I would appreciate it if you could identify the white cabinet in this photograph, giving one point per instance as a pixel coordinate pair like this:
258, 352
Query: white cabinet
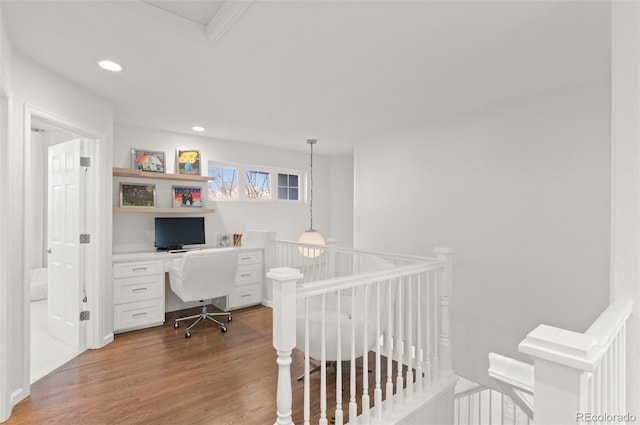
139, 286
248, 289
138, 294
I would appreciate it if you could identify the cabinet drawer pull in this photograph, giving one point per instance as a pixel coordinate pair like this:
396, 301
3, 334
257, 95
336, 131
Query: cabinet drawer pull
139, 269
246, 258
136, 290
136, 315
246, 275
245, 295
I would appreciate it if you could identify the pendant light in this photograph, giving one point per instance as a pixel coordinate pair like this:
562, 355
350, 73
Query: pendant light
311, 236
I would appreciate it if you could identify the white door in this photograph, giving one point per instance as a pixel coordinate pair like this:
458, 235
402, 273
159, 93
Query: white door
64, 216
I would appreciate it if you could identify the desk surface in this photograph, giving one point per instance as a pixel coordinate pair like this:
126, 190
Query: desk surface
166, 255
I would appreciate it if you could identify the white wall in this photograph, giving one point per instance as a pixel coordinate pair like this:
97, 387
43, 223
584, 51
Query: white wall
342, 200
135, 231
625, 210
10, 268
35, 88
522, 191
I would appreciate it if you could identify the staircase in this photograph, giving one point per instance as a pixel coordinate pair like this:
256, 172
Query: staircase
476, 404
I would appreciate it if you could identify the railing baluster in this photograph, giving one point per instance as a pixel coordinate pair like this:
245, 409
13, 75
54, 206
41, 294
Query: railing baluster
353, 405
409, 343
400, 344
428, 338
389, 342
323, 362
307, 368
365, 358
419, 353
339, 414
377, 394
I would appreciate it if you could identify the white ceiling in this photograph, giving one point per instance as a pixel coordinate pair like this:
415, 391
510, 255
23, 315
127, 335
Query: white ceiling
280, 72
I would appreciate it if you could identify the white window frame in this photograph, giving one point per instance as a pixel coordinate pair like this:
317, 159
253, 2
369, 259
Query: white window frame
273, 171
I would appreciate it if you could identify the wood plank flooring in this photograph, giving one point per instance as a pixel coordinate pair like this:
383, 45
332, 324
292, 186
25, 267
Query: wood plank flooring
157, 376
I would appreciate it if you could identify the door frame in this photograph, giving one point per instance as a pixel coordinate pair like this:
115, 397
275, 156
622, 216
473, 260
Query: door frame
94, 201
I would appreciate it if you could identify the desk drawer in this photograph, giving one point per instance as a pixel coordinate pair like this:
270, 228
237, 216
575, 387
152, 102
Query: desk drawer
138, 315
137, 268
250, 257
249, 274
138, 288
250, 296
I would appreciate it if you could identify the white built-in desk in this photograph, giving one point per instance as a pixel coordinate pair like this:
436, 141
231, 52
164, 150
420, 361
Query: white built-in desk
139, 293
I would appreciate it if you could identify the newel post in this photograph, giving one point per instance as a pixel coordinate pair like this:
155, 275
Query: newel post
562, 362
284, 335
445, 289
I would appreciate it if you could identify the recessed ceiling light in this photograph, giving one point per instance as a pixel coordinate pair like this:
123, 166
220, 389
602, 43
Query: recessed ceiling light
197, 128
110, 65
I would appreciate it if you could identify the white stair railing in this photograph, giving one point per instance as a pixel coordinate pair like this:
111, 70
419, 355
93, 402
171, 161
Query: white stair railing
581, 377
482, 405
405, 308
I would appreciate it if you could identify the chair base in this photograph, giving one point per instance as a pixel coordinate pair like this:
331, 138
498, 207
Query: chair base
202, 317
346, 364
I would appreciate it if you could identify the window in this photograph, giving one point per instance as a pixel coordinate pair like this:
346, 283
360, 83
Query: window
258, 184
288, 186
243, 182
224, 184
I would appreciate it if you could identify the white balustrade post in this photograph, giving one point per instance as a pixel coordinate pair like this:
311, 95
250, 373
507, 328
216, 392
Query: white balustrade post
563, 361
284, 335
445, 289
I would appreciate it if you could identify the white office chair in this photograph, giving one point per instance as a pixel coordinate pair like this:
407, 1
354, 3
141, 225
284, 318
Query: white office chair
348, 318
204, 274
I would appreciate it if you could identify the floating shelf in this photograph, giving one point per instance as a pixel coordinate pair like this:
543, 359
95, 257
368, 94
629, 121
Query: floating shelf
132, 172
144, 210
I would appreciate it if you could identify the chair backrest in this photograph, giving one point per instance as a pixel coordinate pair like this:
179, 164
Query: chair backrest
348, 317
205, 274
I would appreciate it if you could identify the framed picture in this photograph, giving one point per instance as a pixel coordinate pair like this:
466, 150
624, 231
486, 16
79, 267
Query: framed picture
146, 160
137, 195
187, 197
188, 161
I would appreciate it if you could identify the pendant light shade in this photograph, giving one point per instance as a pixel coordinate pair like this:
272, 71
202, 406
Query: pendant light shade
311, 236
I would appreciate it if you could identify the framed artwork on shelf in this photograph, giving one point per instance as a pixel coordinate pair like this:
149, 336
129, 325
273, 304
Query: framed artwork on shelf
138, 195
188, 161
147, 160
187, 197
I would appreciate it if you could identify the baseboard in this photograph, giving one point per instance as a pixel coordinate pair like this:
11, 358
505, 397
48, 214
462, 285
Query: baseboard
108, 339
17, 396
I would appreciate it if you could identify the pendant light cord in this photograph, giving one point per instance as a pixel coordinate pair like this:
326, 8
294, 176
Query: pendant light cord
311, 142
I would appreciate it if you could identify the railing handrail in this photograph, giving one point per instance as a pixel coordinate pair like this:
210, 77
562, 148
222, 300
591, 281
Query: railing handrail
470, 391
580, 372
347, 282
415, 321
408, 257
609, 324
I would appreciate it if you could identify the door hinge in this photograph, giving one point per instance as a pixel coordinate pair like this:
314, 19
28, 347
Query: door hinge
85, 161
84, 315
85, 238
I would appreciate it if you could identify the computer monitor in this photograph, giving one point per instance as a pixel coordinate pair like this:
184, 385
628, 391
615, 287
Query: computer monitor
177, 232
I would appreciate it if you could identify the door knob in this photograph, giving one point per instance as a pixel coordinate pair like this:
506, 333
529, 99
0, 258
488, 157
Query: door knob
49, 251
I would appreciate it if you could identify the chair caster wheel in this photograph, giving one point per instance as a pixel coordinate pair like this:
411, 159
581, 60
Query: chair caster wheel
223, 330
187, 335
176, 325
229, 319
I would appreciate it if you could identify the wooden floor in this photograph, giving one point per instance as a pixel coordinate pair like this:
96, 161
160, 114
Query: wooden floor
157, 376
